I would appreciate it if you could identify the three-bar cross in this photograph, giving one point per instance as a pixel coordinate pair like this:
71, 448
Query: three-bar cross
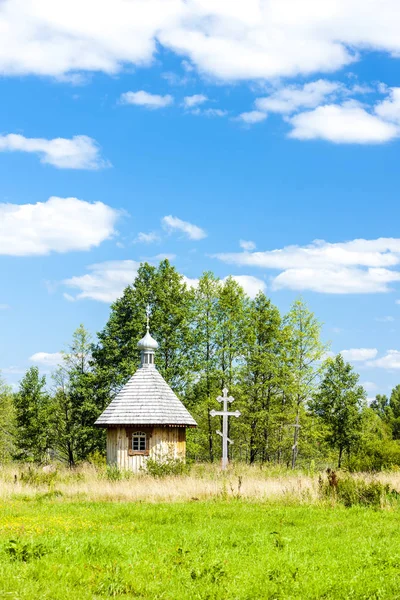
225, 414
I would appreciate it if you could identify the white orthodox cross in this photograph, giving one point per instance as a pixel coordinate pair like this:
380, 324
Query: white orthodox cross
225, 414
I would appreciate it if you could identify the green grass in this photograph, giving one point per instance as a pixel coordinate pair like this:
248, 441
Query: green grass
55, 549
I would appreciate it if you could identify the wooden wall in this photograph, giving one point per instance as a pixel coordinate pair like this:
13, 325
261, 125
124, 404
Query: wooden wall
162, 443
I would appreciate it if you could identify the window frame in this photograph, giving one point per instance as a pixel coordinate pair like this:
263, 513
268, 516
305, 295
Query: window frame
139, 436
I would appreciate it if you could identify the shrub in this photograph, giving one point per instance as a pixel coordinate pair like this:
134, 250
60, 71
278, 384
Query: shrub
97, 459
167, 467
350, 491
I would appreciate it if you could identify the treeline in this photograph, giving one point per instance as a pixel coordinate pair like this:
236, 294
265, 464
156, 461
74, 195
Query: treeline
298, 407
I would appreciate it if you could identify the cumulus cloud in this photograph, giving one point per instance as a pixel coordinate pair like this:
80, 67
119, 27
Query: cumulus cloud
57, 225
80, 152
12, 370
348, 123
290, 98
357, 266
391, 360
193, 232
209, 112
359, 354
146, 99
251, 117
369, 386
195, 100
258, 39
147, 238
251, 285
105, 281
337, 281
47, 359
389, 109
247, 245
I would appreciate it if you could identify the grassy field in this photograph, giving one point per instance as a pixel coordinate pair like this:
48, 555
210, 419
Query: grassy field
63, 538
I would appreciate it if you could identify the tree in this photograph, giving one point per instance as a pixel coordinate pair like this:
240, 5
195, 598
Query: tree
264, 377
7, 423
338, 403
116, 356
304, 356
381, 406
203, 359
77, 403
32, 409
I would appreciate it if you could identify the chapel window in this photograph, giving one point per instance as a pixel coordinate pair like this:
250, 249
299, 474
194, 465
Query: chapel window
139, 441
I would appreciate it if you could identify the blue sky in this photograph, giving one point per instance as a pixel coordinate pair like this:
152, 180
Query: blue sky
257, 139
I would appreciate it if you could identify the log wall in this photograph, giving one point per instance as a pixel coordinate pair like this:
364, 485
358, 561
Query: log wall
162, 443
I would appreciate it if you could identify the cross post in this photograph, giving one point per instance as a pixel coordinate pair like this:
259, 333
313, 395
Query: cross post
225, 414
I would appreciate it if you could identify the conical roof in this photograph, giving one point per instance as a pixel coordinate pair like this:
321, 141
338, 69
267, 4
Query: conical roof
146, 399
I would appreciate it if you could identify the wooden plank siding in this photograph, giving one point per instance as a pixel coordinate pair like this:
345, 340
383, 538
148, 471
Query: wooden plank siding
162, 443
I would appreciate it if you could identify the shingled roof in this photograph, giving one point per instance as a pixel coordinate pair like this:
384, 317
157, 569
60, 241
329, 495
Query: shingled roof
146, 399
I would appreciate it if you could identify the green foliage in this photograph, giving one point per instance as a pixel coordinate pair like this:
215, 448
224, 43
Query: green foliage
33, 418
338, 402
7, 423
19, 550
351, 491
304, 354
295, 409
116, 356
166, 468
76, 404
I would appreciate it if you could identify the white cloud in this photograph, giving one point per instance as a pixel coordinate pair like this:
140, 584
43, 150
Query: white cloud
209, 112
387, 319
337, 281
369, 386
391, 360
147, 238
389, 109
195, 100
105, 282
357, 266
12, 370
251, 285
292, 97
4, 306
143, 98
193, 232
247, 245
234, 40
47, 359
80, 152
164, 256
254, 116
359, 354
57, 225
348, 123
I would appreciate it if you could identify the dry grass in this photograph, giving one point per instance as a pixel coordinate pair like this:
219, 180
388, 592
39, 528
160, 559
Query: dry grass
205, 482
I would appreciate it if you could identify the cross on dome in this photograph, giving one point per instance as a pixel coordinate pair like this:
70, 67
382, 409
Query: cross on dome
147, 344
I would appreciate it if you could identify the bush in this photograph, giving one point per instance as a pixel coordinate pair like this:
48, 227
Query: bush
167, 467
351, 492
97, 459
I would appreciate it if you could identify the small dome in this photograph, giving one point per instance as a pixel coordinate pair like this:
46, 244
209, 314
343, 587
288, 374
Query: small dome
147, 343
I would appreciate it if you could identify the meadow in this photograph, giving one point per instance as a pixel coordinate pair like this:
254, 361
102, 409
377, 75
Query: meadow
246, 534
